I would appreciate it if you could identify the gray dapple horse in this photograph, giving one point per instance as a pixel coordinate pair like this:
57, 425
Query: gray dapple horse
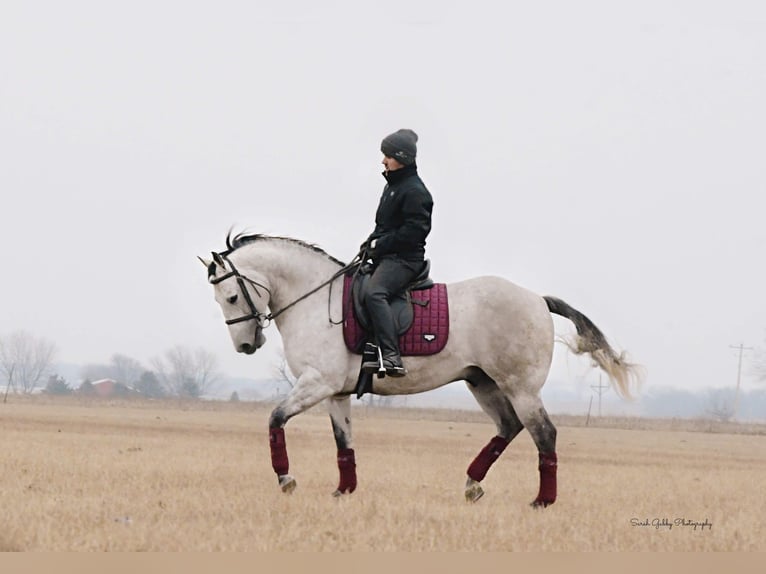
500, 343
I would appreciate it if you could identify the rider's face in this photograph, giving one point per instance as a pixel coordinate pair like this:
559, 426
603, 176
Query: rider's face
391, 164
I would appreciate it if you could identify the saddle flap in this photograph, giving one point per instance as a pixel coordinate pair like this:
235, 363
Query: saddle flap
425, 332
401, 306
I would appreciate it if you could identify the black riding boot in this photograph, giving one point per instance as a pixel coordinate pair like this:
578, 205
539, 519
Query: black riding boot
388, 343
391, 364
390, 277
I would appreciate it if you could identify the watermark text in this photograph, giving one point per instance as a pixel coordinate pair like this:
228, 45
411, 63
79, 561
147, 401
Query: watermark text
671, 523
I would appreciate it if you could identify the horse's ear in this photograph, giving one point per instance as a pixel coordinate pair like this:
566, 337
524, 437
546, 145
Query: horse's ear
217, 258
210, 266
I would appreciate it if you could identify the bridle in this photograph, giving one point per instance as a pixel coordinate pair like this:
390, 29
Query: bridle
254, 312
263, 320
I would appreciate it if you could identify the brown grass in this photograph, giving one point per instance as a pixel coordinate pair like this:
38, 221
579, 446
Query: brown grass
135, 476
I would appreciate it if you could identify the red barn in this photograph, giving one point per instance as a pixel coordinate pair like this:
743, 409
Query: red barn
108, 388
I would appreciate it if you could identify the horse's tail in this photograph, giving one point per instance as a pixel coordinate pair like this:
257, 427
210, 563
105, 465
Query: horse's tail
623, 374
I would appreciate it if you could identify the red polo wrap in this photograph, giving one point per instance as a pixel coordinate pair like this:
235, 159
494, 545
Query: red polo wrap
488, 455
279, 461
347, 468
547, 467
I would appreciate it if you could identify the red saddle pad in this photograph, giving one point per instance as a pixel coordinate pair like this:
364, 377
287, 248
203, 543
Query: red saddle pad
430, 324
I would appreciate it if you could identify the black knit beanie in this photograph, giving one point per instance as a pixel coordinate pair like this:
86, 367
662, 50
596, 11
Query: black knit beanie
401, 145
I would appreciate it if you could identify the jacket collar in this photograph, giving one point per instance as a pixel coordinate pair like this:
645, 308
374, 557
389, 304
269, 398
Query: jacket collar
402, 173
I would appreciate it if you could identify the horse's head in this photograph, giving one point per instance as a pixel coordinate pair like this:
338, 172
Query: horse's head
243, 300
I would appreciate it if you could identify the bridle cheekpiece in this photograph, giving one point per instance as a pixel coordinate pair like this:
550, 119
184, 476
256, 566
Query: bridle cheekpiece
262, 319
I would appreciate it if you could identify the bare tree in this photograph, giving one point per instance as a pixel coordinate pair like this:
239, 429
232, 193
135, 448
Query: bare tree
721, 405
149, 385
184, 372
8, 386
25, 360
121, 368
380, 400
126, 370
96, 371
284, 378
283, 372
206, 366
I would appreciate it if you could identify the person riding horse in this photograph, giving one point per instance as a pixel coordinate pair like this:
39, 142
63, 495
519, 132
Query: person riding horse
397, 245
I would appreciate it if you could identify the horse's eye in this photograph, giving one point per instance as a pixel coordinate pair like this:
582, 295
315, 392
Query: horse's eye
232, 299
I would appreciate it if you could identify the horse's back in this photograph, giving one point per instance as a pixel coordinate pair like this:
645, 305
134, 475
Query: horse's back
492, 291
491, 315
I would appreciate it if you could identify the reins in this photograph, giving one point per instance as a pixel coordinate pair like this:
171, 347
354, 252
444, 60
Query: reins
329, 282
264, 319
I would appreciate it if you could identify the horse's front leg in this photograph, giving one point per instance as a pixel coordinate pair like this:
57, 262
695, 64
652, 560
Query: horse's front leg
308, 390
340, 416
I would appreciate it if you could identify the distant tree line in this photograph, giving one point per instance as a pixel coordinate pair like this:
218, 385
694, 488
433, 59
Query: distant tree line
26, 362
719, 404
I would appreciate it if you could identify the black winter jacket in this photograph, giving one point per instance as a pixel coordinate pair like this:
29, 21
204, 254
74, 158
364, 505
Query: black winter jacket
403, 219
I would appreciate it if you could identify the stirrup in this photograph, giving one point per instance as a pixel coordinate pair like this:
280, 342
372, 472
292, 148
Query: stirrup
370, 367
372, 360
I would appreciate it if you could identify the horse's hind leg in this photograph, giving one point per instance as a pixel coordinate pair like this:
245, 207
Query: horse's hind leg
496, 404
340, 416
530, 410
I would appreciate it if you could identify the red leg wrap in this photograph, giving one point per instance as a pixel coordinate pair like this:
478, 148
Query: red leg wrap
488, 455
347, 467
547, 467
279, 461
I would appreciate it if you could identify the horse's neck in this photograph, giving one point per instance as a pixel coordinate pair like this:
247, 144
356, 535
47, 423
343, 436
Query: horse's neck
291, 270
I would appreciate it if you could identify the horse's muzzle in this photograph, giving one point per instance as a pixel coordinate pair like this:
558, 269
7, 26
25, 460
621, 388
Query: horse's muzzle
249, 348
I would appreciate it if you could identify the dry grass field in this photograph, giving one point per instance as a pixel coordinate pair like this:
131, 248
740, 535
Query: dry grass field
142, 476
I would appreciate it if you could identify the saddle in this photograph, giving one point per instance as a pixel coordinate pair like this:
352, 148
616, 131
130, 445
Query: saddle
401, 305
421, 314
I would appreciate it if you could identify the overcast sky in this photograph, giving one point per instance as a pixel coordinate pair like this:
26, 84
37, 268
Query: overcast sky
608, 153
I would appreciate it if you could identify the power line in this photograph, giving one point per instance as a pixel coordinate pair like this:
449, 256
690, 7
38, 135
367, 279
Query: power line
600, 389
742, 349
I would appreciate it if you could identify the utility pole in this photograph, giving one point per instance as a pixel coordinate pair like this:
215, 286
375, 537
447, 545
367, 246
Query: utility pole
600, 389
10, 382
741, 348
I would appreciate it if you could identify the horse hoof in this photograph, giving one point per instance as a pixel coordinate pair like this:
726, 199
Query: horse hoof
540, 503
473, 490
287, 483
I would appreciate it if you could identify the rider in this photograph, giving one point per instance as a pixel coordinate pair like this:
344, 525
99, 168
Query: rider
397, 245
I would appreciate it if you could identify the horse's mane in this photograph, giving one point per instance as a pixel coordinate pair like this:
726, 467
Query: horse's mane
241, 239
